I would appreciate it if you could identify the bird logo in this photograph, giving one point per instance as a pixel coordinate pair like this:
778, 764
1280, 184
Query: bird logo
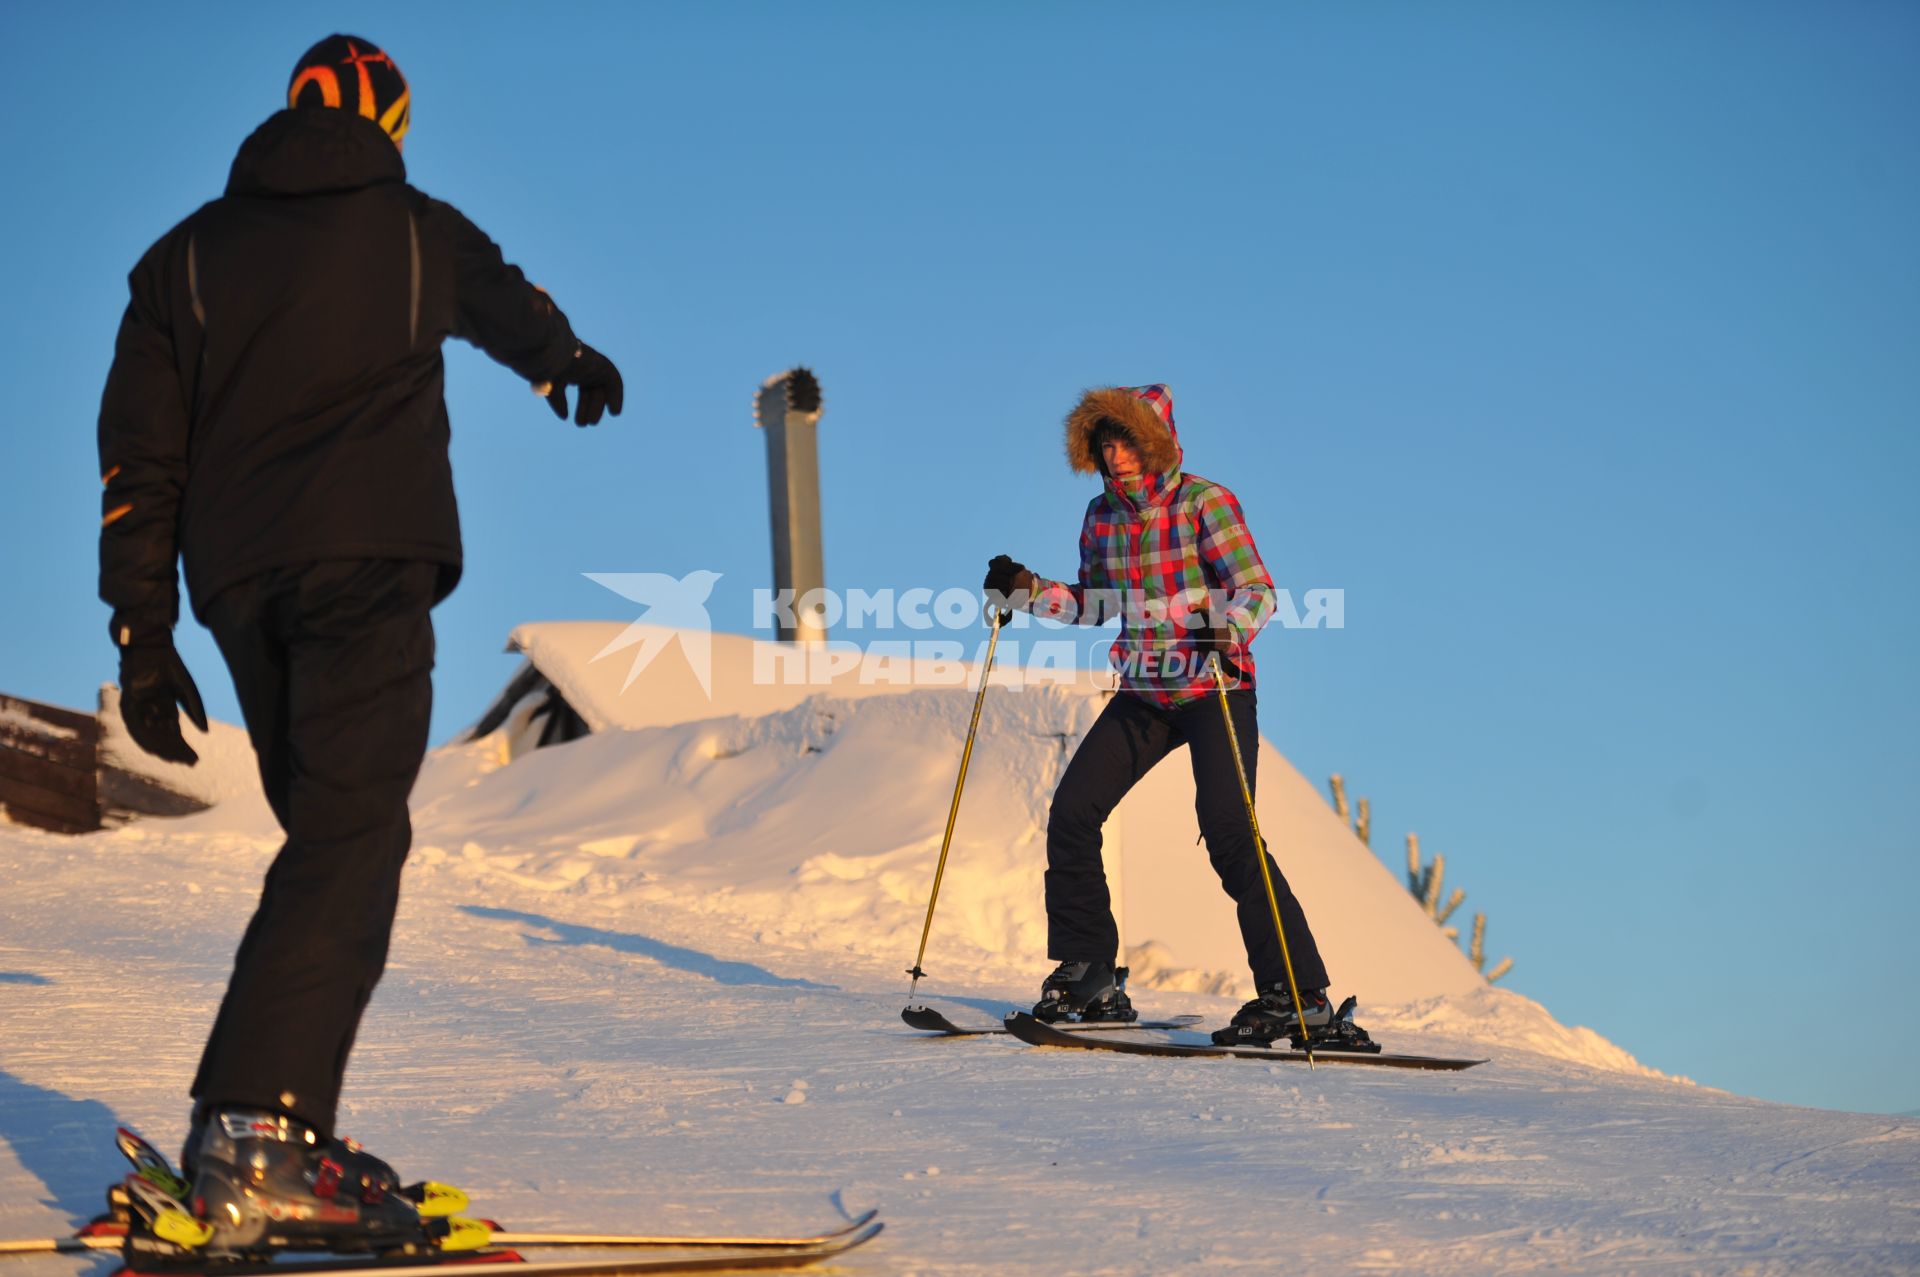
675, 611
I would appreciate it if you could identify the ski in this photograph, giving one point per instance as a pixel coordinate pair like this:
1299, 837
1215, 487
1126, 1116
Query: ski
932, 1021
1038, 1033
92, 1237
508, 1263
111, 1235
515, 1240
109, 1232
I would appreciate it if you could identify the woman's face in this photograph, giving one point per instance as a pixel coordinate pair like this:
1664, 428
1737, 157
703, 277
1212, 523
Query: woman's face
1122, 460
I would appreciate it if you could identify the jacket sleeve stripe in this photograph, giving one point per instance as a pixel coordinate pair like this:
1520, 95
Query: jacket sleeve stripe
193, 284
413, 296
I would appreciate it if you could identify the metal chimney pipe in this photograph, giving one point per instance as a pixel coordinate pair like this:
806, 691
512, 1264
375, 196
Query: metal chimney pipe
788, 409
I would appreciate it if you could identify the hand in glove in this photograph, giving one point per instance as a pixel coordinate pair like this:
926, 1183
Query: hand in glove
1211, 640
599, 383
1005, 578
153, 681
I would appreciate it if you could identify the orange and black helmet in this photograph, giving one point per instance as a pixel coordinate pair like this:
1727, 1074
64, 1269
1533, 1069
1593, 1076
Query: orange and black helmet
355, 75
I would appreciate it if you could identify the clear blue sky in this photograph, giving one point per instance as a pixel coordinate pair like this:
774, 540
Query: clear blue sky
1576, 342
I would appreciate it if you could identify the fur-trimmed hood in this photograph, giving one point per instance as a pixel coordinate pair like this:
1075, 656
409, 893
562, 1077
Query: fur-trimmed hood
1145, 412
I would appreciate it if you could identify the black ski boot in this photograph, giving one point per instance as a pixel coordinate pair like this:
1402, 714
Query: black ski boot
1085, 991
1343, 1034
264, 1182
1272, 1015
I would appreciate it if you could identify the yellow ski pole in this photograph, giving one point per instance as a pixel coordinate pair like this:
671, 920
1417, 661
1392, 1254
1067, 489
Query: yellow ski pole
1000, 617
1260, 854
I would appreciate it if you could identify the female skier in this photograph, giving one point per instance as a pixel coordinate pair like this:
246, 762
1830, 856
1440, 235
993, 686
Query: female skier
1168, 553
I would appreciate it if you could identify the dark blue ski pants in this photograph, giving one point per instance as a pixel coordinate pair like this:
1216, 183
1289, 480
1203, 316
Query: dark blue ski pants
1128, 738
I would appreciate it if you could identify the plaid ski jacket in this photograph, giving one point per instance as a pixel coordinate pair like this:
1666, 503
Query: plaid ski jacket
1157, 552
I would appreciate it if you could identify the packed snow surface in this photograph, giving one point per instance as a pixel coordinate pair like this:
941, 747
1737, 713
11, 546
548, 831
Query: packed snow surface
651, 980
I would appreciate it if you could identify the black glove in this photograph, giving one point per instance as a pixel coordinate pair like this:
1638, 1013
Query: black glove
1211, 640
153, 680
599, 382
1005, 578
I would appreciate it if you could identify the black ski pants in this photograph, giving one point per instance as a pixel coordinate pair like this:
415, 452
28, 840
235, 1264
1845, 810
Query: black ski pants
333, 664
1129, 737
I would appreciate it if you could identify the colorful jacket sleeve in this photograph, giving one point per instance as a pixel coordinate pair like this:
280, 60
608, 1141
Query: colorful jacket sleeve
1080, 602
143, 432
1233, 563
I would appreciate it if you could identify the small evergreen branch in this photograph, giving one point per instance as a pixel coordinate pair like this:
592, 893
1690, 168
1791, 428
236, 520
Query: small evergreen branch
1478, 951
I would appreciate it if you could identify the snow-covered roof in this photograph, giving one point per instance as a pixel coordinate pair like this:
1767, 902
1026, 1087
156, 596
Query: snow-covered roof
592, 663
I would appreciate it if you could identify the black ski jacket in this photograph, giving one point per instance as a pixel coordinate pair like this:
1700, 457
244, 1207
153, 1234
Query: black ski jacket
275, 395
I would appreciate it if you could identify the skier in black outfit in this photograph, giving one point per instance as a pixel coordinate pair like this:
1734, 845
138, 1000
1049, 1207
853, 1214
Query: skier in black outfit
274, 416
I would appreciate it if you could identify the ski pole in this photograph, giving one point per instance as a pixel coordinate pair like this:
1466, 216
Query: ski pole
1000, 617
1260, 854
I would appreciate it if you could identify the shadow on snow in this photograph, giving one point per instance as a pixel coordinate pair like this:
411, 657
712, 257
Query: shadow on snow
680, 959
996, 1008
67, 1144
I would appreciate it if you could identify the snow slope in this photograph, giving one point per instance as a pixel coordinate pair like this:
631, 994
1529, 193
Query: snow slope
652, 978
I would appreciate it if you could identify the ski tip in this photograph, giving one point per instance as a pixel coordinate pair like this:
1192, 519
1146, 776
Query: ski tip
858, 1238
928, 1020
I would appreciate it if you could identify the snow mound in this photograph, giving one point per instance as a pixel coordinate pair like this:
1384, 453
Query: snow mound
1153, 966
818, 824
227, 768
817, 828
1494, 1017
